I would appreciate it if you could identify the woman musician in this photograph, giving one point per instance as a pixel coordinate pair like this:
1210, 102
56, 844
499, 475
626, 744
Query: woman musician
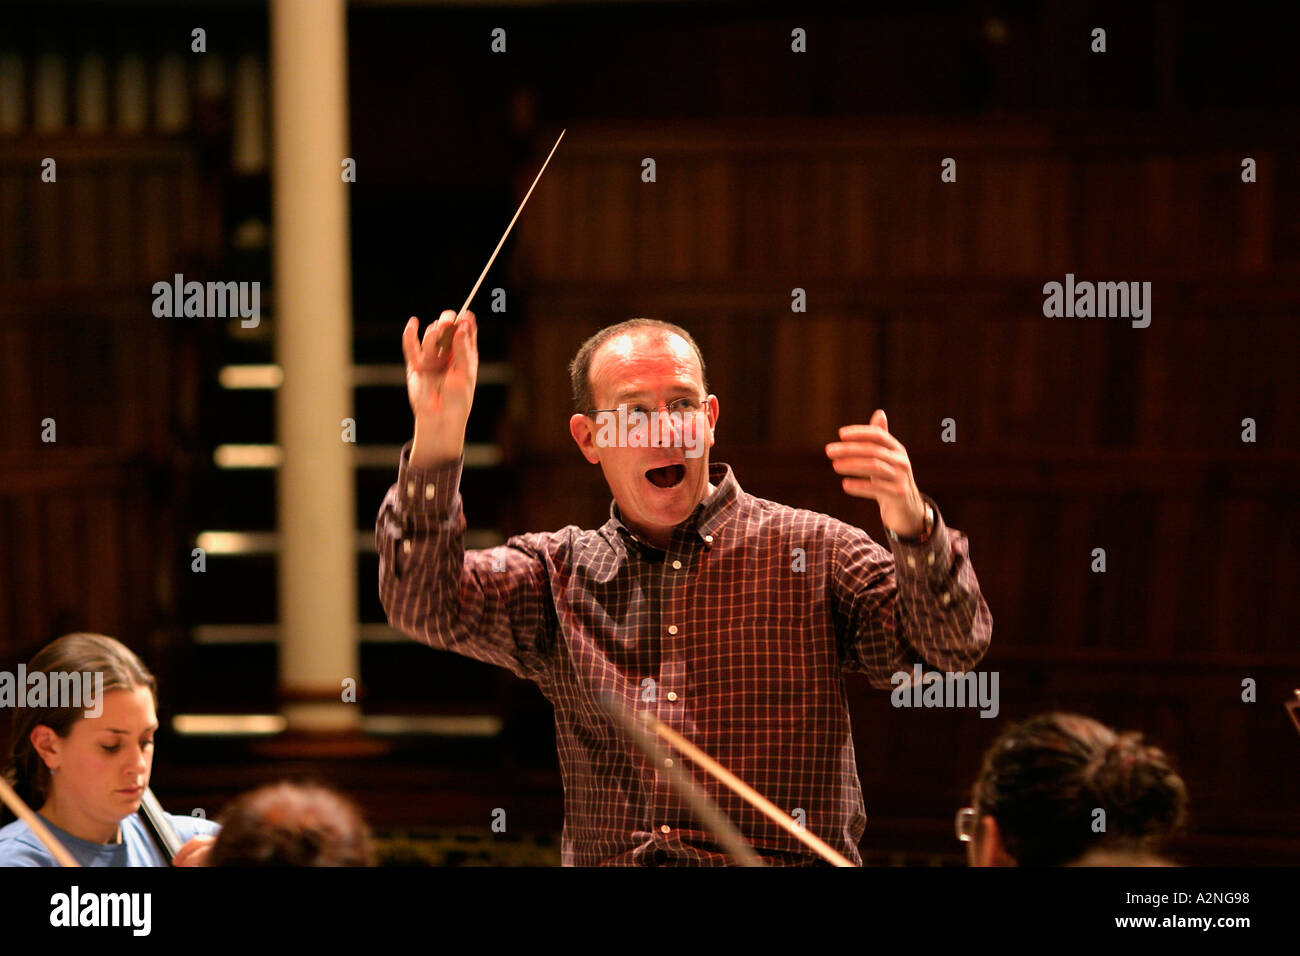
86, 774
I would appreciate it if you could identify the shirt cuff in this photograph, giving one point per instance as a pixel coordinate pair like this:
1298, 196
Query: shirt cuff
929, 558
428, 491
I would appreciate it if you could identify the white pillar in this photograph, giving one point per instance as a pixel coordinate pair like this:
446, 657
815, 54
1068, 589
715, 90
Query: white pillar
313, 342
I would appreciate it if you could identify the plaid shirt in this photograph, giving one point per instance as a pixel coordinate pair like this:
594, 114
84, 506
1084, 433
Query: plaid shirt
737, 637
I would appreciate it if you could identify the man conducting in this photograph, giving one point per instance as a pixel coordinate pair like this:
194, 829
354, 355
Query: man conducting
732, 619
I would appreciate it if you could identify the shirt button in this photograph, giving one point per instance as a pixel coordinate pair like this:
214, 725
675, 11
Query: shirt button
677, 565
911, 561
708, 538
429, 492
945, 598
672, 695
410, 489
932, 557
665, 829
672, 628
406, 546
668, 762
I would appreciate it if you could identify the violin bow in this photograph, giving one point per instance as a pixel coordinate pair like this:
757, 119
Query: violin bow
159, 826
29, 817
444, 340
746, 792
706, 809
641, 725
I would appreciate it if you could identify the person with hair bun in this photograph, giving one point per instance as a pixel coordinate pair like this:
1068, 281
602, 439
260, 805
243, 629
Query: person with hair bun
1065, 790
85, 774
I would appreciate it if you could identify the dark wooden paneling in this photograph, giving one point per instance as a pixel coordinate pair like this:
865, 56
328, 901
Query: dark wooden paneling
90, 520
120, 211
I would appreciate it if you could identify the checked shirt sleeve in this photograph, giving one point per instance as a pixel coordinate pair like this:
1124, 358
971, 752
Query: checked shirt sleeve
916, 603
491, 605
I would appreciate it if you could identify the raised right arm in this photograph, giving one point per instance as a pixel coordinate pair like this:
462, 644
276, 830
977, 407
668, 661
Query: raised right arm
490, 605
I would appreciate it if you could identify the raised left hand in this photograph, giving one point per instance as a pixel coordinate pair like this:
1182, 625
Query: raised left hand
877, 466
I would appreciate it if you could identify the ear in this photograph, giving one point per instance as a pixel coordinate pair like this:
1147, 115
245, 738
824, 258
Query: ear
711, 405
581, 430
989, 850
46, 743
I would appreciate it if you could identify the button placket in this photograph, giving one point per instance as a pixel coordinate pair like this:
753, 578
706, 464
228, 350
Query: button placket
673, 634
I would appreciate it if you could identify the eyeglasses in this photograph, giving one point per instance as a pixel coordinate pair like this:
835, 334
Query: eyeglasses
964, 823
683, 406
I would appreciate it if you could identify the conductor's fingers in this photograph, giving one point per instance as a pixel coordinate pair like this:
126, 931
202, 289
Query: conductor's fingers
865, 467
860, 487
411, 342
874, 433
429, 345
470, 323
463, 344
447, 327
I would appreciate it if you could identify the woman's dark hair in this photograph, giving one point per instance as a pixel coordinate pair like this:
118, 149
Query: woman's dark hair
1044, 779
72, 653
287, 824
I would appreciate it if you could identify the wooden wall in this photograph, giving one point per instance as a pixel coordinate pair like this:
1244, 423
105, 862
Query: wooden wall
89, 521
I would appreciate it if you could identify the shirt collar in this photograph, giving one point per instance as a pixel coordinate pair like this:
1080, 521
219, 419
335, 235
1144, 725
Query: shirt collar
709, 516
119, 839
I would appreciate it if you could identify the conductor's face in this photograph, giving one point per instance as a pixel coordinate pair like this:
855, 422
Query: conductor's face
657, 484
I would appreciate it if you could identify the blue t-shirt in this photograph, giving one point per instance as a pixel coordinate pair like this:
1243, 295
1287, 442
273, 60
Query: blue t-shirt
19, 846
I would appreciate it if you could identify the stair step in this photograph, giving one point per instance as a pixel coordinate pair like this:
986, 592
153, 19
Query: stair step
241, 543
251, 376
214, 634
232, 456
387, 725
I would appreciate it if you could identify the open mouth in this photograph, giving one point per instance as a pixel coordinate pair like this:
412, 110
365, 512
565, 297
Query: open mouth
669, 476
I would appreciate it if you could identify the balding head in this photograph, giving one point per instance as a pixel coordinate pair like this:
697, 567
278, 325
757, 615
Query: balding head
581, 366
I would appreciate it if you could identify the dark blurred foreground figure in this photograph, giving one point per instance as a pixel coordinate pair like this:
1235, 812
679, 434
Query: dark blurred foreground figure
1065, 790
286, 824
